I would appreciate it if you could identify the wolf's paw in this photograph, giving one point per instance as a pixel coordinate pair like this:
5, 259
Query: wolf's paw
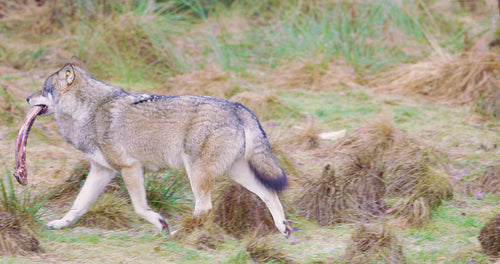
286, 229
57, 224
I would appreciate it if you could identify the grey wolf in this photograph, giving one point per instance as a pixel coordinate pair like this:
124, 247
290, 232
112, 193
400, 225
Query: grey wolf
136, 133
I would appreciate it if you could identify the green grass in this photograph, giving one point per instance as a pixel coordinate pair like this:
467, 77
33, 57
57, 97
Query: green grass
25, 205
169, 191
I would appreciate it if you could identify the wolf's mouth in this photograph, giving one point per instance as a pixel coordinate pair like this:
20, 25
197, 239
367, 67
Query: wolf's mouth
44, 110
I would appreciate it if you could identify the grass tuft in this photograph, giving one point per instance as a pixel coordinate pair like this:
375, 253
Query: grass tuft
371, 244
264, 105
488, 180
489, 237
23, 205
240, 212
110, 211
14, 240
465, 78
265, 250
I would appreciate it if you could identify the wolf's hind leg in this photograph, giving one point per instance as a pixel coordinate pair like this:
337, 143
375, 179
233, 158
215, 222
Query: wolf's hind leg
134, 181
200, 184
97, 179
241, 173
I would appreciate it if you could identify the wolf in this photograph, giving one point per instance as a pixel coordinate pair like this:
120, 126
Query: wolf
137, 133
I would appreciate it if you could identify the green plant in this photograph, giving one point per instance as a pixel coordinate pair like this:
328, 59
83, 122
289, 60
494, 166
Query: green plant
23, 205
167, 191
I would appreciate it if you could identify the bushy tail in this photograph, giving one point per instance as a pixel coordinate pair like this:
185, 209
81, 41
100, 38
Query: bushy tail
261, 160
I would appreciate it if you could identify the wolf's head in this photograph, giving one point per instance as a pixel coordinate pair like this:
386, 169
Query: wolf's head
57, 84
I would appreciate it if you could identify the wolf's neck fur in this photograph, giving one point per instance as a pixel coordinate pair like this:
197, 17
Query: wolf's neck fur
99, 90
81, 107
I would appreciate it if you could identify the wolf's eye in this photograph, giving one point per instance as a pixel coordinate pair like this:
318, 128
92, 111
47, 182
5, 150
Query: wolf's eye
67, 72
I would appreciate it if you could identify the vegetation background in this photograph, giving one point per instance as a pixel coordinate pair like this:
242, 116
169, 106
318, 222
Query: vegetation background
424, 69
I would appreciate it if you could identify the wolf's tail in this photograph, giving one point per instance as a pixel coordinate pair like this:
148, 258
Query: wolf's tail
260, 157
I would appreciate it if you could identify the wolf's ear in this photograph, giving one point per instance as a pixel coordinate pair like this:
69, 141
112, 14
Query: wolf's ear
69, 73
75, 61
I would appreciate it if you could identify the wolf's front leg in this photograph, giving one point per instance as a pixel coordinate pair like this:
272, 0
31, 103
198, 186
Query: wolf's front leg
134, 181
97, 179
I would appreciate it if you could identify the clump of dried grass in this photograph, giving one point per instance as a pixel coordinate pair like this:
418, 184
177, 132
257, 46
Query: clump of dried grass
110, 211
489, 237
264, 105
320, 200
265, 250
239, 212
488, 180
354, 188
376, 162
415, 176
313, 74
34, 18
204, 239
370, 244
487, 103
338, 197
306, 136
417, 212
464, 78
209, 81
13, 239
199, 232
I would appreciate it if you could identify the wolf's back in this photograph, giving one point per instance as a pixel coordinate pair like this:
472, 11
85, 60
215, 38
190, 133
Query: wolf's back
259, 155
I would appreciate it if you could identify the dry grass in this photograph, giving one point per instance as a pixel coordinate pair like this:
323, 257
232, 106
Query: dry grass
199, 231
313, 74
487, 103
265, 106
417, 212
370, 244
488, 180
33, 23
13, 238
265, 250
110, 211
352, 188
240, 212
210, 81
376, 162
305, 135
36, 18
333, 198
489, 237
465, 78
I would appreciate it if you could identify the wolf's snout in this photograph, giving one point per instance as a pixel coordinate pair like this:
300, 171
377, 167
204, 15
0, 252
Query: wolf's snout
29, 99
